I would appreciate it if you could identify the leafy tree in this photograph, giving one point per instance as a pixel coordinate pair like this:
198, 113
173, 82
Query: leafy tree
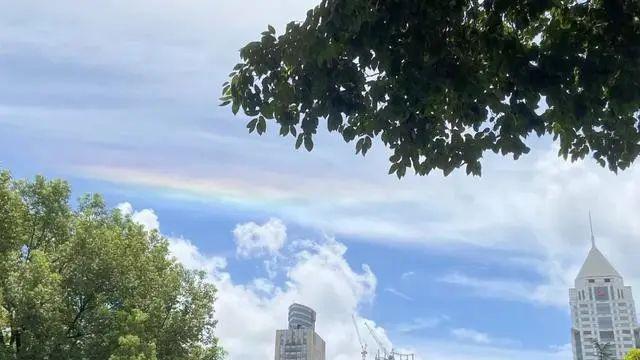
604, 351
89, 283
633, 354
442, 82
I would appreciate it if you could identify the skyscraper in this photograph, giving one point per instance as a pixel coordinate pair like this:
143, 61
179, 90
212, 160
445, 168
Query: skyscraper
300, 341
602, 310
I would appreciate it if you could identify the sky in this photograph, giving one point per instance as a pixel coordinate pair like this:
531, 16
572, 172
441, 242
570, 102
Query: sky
121, 98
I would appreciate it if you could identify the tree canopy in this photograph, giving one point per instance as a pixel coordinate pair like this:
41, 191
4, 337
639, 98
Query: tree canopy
442, 82
89, 283
633, 354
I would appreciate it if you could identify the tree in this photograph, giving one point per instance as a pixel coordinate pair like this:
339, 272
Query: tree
633, 354
90, 283
603, 351
442, 82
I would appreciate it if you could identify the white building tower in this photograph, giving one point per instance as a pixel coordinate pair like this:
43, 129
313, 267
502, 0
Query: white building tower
602, 310
300, 341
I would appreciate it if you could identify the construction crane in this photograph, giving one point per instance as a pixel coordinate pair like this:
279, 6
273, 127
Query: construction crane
363, 346
385, 353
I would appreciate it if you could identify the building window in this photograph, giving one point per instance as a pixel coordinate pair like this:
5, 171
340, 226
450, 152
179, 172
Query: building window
607, 280
603, 308
605, 322
606, 336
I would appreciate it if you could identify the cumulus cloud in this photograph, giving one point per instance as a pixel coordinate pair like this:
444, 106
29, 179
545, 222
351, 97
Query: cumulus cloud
318, 276
191, 257
144, 217
254, 240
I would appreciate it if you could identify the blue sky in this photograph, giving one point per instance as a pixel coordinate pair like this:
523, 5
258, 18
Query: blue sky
121, 98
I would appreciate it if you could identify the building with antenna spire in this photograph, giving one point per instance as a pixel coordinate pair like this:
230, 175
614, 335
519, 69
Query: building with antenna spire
603, 313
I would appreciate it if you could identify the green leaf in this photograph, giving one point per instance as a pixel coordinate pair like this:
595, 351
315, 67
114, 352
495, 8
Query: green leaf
272, 30
359, 145
334, 121
252, 125
261, 125
299, 141
308, 143
235, 107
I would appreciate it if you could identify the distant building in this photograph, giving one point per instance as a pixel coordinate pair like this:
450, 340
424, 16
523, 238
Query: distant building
602, 310
300, 341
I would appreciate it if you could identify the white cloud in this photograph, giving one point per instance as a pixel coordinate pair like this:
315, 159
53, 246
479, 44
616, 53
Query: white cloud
173, 46
407, 274
318, 276
546, 217
418, 324
144, 217
546, 220
254, 240
399, 294
191, 257
551, 291
468, 350
471, 335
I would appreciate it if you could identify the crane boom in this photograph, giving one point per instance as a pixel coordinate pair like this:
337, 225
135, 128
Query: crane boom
355, 324
363, 346
377, 340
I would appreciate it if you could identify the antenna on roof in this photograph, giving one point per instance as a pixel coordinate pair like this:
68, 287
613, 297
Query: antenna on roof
593, 239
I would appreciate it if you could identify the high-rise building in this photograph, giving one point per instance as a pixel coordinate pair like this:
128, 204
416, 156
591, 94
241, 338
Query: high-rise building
300, 341
602, 310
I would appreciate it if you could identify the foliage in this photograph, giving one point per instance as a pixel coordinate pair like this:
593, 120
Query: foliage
89, 283
604, 351
442, 82
633, 354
